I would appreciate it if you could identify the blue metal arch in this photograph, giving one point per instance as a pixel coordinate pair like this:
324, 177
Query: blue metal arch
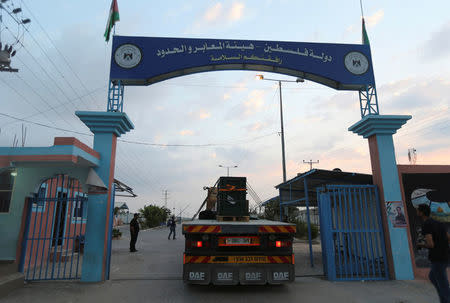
148, 60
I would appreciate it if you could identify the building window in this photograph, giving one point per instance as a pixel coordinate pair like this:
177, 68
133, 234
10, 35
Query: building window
7, 178
80, 206
39, 201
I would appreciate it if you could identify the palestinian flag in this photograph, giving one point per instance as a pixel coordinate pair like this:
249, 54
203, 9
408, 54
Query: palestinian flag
365, 38
112, 19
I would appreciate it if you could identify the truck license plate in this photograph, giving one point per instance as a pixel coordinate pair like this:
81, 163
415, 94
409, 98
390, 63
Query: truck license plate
238, 241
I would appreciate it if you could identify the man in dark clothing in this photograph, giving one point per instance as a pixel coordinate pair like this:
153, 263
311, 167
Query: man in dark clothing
436, 240
134, 230
172, 224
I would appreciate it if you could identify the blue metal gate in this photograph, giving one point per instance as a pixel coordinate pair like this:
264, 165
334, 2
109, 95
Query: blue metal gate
351, 233
53, 243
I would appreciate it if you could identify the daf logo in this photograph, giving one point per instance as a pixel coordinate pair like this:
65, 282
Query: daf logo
280, 276
196, 276
128, 56
253, 276
356, 63
225, 276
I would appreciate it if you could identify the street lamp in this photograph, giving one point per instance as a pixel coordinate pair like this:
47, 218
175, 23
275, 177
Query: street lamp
298, 80
228, 168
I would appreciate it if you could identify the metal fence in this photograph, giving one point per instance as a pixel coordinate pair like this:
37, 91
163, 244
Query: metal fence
351, 231
53, 242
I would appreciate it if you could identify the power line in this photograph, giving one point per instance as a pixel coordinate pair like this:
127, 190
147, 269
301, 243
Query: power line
44, 111
42, 98
50, 60
45, 125
57, 49
135, 142
46, 73
23, 97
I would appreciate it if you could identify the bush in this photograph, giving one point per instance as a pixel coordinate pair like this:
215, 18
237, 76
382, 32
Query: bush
154, 215
302, 230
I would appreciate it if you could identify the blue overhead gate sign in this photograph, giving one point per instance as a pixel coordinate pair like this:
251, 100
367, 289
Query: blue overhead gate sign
147, 60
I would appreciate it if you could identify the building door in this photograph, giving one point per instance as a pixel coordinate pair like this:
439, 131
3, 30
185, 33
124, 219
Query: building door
60, 219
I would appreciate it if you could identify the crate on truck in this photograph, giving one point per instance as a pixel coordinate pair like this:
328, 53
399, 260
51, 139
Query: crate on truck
230, 252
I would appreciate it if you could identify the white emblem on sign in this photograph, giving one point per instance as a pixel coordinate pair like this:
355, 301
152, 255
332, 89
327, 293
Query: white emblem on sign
128, 56
356, 63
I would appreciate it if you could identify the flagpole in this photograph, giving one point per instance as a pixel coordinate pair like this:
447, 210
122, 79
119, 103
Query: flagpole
362, 13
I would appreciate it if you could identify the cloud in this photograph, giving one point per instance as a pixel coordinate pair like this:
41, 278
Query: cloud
186, 132
373, 20
237, 11
219, 14
255, 102
201, 114
370, 21
213, 13
438, 45
260, 125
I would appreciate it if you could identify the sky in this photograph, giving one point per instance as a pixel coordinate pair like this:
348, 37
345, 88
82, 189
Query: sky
64, 66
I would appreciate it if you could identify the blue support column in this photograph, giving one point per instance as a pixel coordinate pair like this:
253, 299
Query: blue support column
379, 130
281, 207
311, 258
106, 126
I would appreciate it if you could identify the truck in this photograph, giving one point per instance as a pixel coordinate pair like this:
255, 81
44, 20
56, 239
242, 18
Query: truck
225, 246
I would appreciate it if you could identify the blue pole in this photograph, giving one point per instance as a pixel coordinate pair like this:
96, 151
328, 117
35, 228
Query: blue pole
29, 205
108, 260
305, 182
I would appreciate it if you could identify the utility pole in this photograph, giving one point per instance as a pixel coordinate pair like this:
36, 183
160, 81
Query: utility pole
283, 155
165, 197
310, 162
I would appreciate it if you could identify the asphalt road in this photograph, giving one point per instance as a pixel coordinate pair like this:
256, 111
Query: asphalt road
157, 257
153, 274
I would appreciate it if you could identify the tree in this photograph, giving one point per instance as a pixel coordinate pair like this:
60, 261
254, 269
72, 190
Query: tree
272, 211
154, 215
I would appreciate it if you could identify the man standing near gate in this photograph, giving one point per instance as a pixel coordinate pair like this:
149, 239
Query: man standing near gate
134, 230
436, 240
172, 224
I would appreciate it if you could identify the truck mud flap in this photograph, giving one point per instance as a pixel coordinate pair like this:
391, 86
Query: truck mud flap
279, 274
253, 275
197, 274
205, 274
225, 275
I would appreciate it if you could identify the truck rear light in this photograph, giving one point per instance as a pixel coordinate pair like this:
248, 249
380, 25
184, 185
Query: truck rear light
280, 243
196, 244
